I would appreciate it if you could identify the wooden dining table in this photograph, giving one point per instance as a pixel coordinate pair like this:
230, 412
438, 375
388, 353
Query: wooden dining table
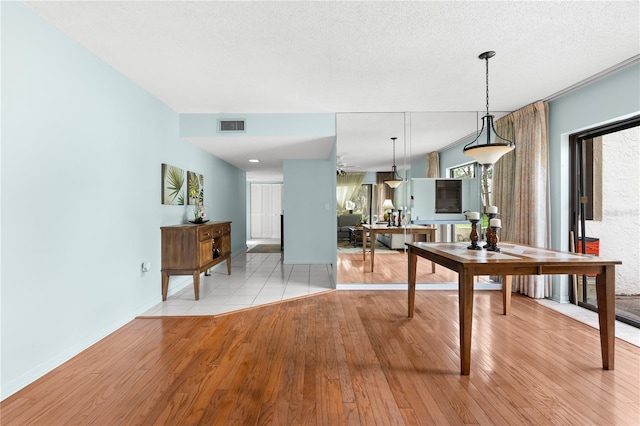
515, 259
373, 230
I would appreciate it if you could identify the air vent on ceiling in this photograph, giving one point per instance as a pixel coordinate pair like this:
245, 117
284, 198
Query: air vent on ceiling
231, 125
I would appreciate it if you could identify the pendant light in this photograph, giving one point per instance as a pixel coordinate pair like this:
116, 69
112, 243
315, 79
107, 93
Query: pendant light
395, 180
488, 153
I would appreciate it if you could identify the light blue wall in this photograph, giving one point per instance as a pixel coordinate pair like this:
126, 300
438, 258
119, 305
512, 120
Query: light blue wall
82, 149
304, 126
454, 156
310, 221
418, 168
609, 99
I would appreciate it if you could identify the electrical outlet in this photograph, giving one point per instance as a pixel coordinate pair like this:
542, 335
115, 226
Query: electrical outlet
145, 267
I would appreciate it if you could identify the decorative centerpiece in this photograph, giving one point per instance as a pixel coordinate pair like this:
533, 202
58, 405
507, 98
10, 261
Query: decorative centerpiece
492, 213
199, 213
474, 218
494, 224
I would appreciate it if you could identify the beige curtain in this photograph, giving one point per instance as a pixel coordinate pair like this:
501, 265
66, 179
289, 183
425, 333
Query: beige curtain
504, 180
347, 185
521, 188
433, 171
433, 165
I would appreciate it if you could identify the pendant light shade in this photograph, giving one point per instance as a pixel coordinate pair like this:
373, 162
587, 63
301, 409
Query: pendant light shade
489, 152
393, 183
395, 180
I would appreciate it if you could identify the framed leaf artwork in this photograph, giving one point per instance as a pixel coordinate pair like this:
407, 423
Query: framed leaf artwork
195, 188
172, 185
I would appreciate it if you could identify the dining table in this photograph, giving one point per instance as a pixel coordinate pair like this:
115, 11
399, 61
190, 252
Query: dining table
372, 230
515, 259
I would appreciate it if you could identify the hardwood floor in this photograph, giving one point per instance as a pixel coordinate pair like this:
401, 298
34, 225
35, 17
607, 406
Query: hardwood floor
342, 357
389, 268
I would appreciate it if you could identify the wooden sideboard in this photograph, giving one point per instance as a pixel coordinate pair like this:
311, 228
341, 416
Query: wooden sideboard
193, 249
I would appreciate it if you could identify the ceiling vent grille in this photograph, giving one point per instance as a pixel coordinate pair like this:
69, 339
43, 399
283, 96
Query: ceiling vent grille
231, 125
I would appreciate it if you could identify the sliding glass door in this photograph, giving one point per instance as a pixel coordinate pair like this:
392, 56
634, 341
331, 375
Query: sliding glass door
605, 210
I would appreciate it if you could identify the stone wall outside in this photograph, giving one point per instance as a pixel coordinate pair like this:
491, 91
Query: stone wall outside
619, 231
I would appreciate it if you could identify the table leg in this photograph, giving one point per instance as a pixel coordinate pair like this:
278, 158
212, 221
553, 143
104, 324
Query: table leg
196, 284
605, 292
165, 285
506, 294
373, 249
412, 262
430, 240
465, 306
229, 265
364, 247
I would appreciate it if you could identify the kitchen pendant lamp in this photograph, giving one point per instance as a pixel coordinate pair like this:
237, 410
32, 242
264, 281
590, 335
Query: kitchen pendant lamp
488, 153
395, 180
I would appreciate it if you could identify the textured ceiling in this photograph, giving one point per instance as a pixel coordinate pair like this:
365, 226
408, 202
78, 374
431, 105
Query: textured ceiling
354, 57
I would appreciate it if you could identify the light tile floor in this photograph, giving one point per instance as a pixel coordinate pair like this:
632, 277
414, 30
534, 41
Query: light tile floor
256, 279
624, 331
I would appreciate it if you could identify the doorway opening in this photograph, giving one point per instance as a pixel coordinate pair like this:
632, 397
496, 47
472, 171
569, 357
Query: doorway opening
266, 211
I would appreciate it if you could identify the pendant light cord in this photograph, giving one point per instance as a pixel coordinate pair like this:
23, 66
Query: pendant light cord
486, 60
394, 155
487, 121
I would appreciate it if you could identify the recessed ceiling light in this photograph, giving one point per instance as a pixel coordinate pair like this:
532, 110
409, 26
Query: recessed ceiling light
254, 160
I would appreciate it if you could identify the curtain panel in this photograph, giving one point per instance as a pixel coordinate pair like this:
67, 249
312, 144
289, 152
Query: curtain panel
433, 171
433, 165
383, 191
346, 185
521, 188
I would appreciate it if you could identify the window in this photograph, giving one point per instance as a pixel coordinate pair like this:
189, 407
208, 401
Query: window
464, 171
461, 232
469, 171
361, 200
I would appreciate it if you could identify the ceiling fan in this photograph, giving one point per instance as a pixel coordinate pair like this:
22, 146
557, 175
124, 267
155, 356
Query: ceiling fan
342, 167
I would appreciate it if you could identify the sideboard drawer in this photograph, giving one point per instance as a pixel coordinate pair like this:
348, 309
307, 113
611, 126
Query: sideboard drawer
206, 232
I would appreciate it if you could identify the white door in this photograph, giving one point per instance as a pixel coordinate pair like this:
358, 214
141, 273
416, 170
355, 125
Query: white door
266, 207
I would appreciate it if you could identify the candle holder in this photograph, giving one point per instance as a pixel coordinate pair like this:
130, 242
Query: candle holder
494, 239
489, 234
474, 235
